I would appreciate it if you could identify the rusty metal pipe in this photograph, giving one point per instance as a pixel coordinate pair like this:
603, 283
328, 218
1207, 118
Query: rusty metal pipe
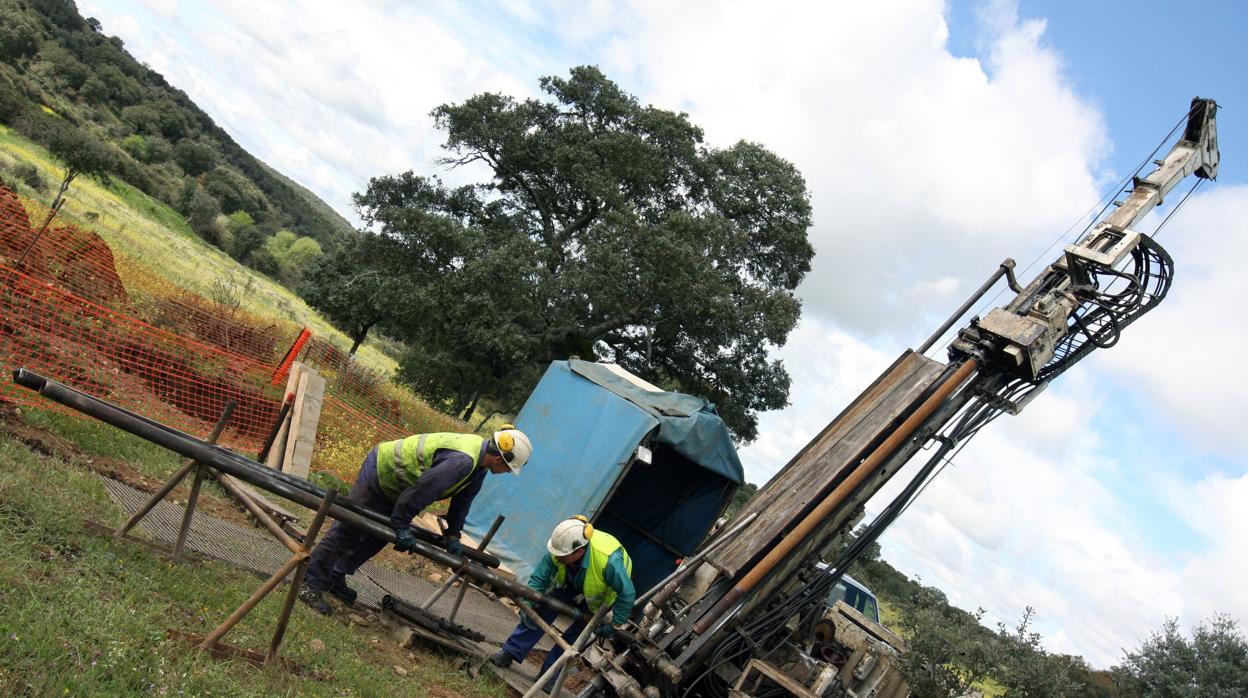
837, 496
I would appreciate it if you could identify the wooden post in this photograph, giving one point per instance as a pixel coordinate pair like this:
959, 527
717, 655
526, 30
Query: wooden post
299, 558
304, 418
173, 481
297, 582
277, 450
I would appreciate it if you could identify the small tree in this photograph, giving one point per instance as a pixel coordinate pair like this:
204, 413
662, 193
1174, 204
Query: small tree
201, 210
81, 154
1027, 669
194, 158
354, 288
293, 255
948, 648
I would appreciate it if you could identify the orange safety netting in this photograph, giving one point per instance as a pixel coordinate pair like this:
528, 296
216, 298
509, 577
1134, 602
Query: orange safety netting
139, 341
142, 368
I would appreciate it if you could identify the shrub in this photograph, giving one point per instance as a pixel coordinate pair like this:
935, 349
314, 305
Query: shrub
31, 176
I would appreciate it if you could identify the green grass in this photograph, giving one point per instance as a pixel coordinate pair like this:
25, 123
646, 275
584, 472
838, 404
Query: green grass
84, 615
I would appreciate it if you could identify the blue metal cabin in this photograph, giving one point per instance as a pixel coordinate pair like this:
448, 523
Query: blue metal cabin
586, 421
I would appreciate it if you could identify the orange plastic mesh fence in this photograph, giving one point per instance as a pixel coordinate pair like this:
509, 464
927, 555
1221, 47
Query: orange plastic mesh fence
167, 353
144, 369
82, 263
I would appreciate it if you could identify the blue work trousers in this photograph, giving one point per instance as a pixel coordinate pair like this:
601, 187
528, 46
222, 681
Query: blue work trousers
344, 549
524, 638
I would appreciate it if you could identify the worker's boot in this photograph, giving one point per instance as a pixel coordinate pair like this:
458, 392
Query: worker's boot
338, 587
501, 659
314, 599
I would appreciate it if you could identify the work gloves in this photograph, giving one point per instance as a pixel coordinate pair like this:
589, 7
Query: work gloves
404, 541
454, 547
605, 631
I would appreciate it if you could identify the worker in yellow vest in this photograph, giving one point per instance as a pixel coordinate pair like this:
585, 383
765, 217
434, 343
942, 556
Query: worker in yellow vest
585, 567
403, 477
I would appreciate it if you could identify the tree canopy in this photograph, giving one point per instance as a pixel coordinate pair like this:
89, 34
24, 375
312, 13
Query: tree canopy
607, 230
1212, 664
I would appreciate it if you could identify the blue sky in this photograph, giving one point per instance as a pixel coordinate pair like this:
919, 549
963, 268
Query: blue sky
936, 139
1143, 58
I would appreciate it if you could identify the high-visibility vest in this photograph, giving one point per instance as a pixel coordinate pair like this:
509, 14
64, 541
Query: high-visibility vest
595, 588
400, 463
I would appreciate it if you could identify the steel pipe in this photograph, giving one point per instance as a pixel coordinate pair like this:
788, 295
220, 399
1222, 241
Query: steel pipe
270, 481
1006, 269
183, 443
686, 568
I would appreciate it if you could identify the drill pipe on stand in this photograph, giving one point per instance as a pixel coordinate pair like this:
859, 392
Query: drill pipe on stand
280, 484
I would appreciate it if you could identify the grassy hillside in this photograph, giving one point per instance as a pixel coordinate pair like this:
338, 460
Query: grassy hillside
147, 237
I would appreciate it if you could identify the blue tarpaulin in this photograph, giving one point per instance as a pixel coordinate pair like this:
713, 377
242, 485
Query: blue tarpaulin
586, 422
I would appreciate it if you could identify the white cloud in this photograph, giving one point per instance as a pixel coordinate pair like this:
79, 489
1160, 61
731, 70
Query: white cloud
1187, 355
923, 166
1213, 578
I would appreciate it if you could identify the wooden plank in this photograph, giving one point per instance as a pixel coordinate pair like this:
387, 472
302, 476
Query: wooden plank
305, 416
277, 452
771, 672
261, 501
812, 472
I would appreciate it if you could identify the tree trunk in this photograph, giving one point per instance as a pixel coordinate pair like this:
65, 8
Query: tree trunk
472, 406
358, 337
485, 419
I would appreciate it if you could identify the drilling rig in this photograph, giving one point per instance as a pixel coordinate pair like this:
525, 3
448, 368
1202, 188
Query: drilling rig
750, 604
745, 614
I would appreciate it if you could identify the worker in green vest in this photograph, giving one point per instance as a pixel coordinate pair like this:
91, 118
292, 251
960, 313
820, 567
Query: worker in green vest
402, 478
585, 567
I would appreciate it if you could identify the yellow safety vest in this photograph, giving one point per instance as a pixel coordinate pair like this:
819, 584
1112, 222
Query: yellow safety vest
400, 463
595, 588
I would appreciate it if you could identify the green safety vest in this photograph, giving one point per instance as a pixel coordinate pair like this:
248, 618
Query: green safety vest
400, 463
596, 591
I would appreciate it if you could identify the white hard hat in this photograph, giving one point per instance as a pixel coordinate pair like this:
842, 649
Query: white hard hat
569, 536
513, 446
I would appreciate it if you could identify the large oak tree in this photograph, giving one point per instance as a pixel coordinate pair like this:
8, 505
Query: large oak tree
608, 230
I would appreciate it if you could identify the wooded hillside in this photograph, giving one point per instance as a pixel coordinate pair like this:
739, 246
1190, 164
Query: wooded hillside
60, 72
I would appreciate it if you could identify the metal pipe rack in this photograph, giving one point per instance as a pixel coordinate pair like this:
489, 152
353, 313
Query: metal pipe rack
283, 485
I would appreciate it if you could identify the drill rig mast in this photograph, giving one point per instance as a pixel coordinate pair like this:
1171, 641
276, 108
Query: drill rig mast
740, 598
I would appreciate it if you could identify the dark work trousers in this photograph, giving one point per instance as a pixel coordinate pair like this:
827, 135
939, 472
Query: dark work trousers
344, 549
524, 638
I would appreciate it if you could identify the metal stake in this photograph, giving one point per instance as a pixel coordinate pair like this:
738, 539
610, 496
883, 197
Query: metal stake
463, 585
458, 577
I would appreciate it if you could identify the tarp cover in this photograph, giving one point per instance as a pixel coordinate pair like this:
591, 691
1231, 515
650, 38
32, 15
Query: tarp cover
585, 423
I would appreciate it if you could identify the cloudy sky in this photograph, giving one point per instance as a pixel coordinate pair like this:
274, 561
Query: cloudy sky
937, 139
